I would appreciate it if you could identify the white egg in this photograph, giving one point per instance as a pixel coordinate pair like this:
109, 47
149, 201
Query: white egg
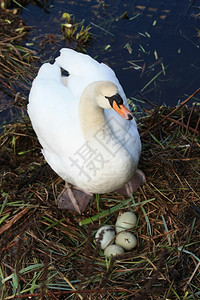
105, 236
126, 240
126, 221
113, 250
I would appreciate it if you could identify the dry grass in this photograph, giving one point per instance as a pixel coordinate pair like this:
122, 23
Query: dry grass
14, 59
46, 254
16, 74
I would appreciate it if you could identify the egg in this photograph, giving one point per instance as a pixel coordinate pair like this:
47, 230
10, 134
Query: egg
113, 250
105, 236
126, 221
126, 240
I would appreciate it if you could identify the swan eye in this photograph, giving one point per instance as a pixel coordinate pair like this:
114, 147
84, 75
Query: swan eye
117, 98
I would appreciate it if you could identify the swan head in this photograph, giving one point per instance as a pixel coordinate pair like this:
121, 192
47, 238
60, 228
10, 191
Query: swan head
109, 98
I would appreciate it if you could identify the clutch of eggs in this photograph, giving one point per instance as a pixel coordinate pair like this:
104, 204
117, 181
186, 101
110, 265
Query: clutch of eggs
124, 240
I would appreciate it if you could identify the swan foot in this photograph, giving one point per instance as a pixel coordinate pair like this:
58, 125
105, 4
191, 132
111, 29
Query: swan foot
137, 180
73, 198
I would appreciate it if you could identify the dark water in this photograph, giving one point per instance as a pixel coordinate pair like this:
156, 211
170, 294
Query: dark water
155, 50
164, 31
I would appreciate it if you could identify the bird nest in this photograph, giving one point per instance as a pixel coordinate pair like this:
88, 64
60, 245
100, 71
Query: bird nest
47, 253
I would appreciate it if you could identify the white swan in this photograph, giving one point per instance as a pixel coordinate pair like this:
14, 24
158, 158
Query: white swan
83, 139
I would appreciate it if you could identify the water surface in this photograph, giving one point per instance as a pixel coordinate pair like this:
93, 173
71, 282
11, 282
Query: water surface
154, 48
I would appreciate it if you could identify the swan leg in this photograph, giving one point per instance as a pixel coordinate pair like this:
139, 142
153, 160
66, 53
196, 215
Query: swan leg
73, 198
137, 180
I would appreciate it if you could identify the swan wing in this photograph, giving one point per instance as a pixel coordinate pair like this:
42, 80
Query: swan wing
84, 70
53, 108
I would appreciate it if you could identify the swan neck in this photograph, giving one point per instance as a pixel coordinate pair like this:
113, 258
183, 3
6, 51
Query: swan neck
92, 117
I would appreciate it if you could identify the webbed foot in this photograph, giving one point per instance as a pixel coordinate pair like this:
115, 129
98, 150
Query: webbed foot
137, 180
73, 198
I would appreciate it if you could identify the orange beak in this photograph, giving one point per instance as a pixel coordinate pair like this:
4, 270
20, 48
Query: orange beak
122, 111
